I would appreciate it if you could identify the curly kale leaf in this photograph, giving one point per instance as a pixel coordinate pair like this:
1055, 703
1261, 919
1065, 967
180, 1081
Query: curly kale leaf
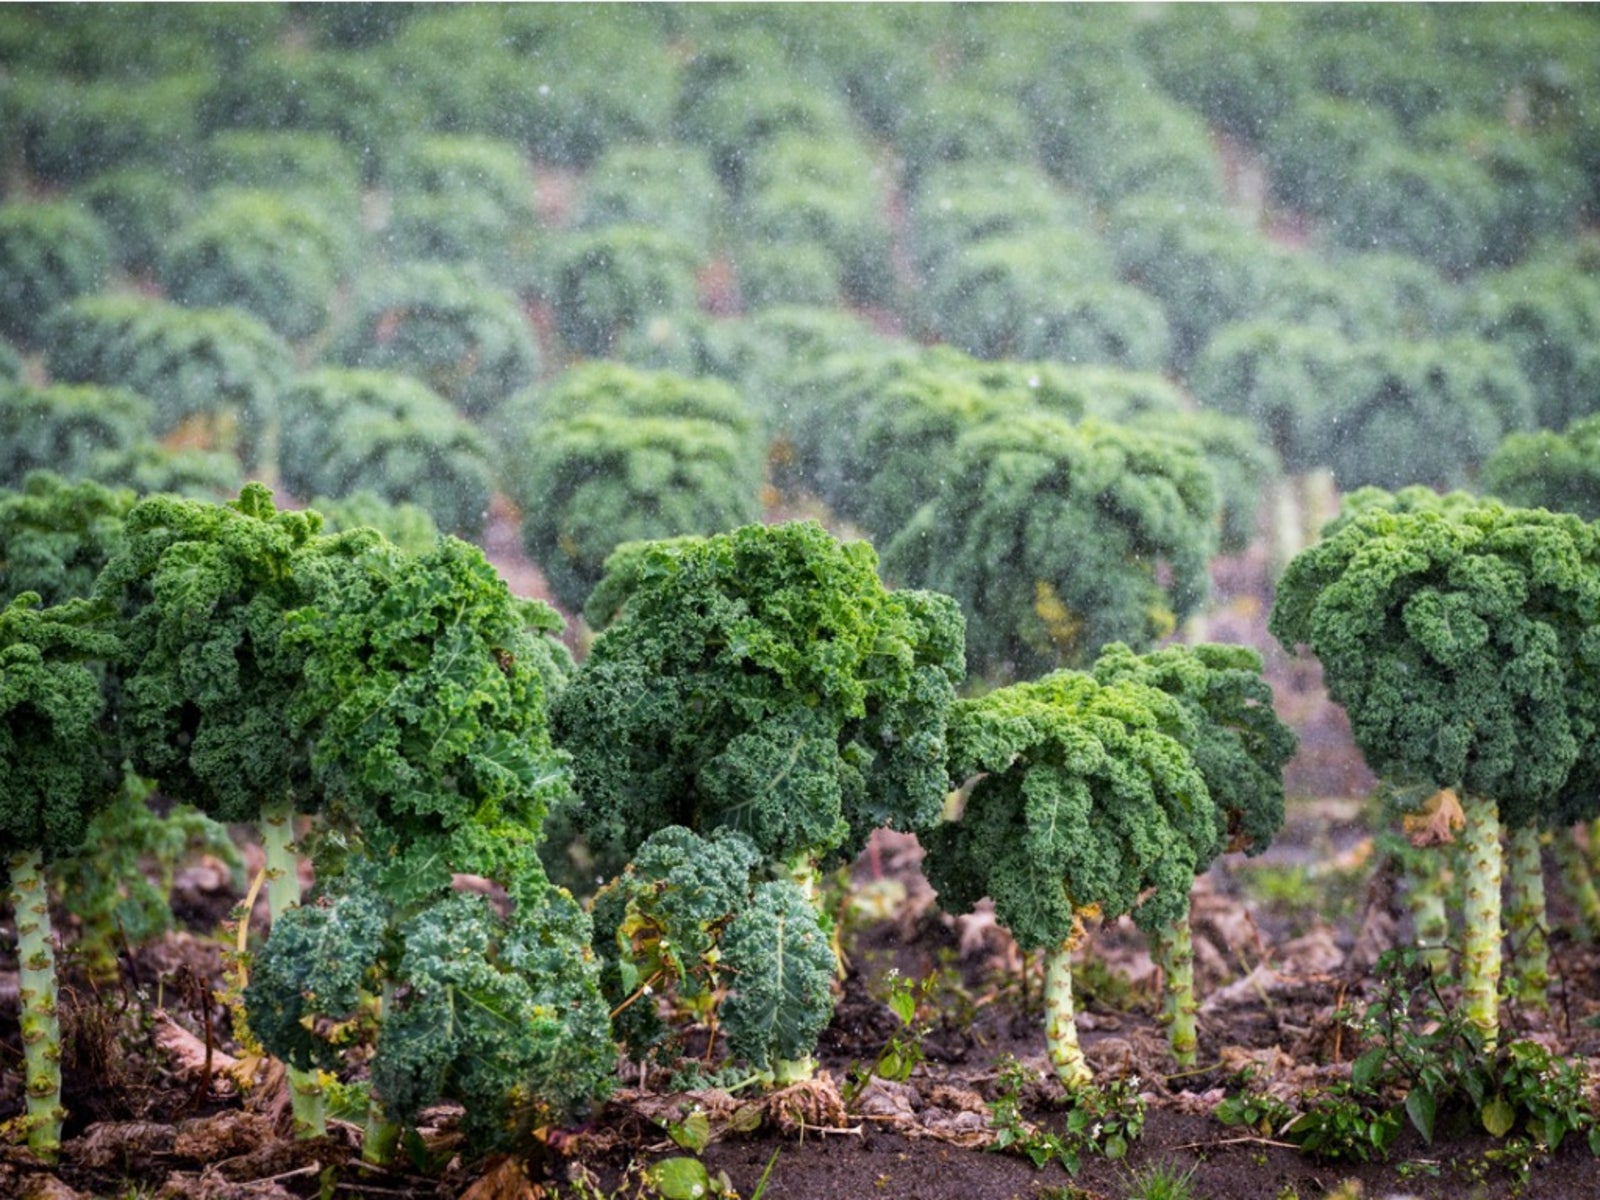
204, 589
1057, 539
764, 681
56, 768
660, 923
1083, 794
1545, 469
320, 962
499, 1010
595, 480
500, 1015
58, 536
782, 964
425, 689
1240, 746
1461, 641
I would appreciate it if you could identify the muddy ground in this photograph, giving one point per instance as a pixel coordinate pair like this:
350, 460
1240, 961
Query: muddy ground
152, 1118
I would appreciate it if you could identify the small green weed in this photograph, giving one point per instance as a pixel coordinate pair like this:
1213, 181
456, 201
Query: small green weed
1256, 1111
908, 1000
1419, 1045
1099, 1120
1161, 1181
1337, 1127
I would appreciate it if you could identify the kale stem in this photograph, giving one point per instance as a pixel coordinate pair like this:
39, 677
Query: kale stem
306, 1095
1480, 955
1579, 880
381, 1138
41, 1028
1175, 955
1525, 917
1061, 1026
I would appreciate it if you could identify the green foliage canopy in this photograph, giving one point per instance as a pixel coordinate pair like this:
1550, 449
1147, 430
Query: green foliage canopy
1057, 539
58, 536
222, 366
500, 1013
1460, 639
1239, 746
49, 253
277, 257
1085, 797
445, 325
691, 916
55, 763
352, 430
1543, 469
65, 427
764, 681
202, 591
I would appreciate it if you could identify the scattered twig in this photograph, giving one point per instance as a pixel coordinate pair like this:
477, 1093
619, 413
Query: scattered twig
309, 1169
1237, 1141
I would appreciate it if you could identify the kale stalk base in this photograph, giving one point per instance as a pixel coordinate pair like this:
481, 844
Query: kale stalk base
1174, 946
1480, 954
306, 1096
1061, 1026
1526, 924
41, 1028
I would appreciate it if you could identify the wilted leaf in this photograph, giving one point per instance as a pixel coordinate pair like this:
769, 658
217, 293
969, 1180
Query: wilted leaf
1435, 823
693, 1132
505, 1180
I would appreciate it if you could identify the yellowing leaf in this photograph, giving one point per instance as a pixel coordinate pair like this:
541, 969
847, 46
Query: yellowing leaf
1499, 1117
1435, 823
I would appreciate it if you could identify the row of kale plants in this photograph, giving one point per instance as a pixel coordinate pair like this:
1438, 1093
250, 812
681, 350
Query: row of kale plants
755, 705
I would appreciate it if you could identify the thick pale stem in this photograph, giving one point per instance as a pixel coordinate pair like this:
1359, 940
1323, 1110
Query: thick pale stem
1526, 926
1175, 951
1061, 1026
1426, 890
1578, 879
793, 1070
41, 1028
283, 863
306, 1096
1288, 522
802, 869
1480, 954
381, 1138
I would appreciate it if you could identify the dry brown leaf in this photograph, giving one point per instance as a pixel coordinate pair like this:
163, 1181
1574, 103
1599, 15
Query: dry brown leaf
810, 1104
504, 1180
207, 1185
48, 1187
887, 1100
969, 1130
188, 1054
1436, 822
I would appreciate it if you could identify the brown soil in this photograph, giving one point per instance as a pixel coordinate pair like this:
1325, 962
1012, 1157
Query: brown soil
150, 1112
